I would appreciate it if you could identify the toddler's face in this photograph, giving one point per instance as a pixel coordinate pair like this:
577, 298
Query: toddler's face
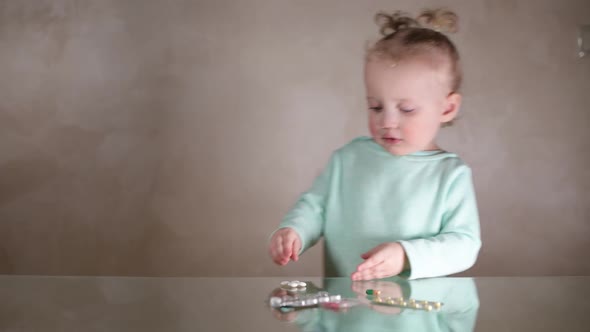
407, 103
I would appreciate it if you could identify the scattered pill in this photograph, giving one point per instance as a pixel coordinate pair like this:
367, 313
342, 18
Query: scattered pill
294, 285
373, 292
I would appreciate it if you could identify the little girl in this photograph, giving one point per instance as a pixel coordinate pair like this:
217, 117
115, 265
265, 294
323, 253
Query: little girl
394, 203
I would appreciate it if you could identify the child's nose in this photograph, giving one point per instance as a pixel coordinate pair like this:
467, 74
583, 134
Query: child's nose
390, 119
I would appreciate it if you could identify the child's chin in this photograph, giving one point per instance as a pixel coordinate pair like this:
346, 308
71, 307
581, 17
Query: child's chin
399, 154
396, 150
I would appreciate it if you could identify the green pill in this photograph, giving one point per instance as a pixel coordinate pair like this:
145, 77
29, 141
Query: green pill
373, 292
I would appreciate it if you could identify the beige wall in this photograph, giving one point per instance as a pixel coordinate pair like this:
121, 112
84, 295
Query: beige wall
169, 137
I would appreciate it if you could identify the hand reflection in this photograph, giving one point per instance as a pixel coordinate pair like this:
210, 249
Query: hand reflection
277, 313
458, 313
387, 288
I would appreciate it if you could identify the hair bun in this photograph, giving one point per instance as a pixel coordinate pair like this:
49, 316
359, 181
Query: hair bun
439, 20
436, 19
389, 24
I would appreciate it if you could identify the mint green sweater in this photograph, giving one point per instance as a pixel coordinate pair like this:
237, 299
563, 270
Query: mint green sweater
367, 196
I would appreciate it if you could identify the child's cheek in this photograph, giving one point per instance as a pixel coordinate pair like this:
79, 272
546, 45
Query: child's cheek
373, 128
374, 131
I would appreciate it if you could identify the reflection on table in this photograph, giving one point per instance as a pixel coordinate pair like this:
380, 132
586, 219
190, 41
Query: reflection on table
458, 313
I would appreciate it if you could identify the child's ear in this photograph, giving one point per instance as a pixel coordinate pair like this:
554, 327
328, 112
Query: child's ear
452, 105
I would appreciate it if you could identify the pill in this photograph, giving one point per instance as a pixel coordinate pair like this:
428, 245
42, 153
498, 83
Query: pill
373, 292
275, 301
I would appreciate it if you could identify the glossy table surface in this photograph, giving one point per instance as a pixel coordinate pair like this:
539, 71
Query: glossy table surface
241, 304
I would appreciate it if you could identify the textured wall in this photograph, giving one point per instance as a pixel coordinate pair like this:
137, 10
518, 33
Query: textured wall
169, 137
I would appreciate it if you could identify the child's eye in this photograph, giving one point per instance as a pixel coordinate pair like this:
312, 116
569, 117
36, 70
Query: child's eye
406, 110
376, 109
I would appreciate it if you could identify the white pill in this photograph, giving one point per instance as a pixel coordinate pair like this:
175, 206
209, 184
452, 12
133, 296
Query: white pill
275, 301
335, 298
310, 302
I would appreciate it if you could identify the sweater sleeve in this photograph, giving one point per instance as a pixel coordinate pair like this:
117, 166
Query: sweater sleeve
307, 216
457, 245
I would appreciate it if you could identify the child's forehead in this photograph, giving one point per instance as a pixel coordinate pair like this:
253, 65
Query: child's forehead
415, 78
415, 70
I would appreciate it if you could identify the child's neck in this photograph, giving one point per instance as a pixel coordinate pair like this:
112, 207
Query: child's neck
431, 147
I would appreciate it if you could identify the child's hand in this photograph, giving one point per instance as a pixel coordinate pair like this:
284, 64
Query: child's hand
285, 245
385, 260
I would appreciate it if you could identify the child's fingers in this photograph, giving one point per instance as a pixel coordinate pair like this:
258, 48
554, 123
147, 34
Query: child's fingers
374, 272
296, 249
278, 251
285, 245
277, 256
287, 248
370, 262
371, 252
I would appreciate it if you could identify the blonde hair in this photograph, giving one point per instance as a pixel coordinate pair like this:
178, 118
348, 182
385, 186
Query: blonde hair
405, 37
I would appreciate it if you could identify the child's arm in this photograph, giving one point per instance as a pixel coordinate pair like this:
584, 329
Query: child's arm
457, 245
306, 218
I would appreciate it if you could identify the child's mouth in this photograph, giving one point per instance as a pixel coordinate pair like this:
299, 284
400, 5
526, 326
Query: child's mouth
391, 140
